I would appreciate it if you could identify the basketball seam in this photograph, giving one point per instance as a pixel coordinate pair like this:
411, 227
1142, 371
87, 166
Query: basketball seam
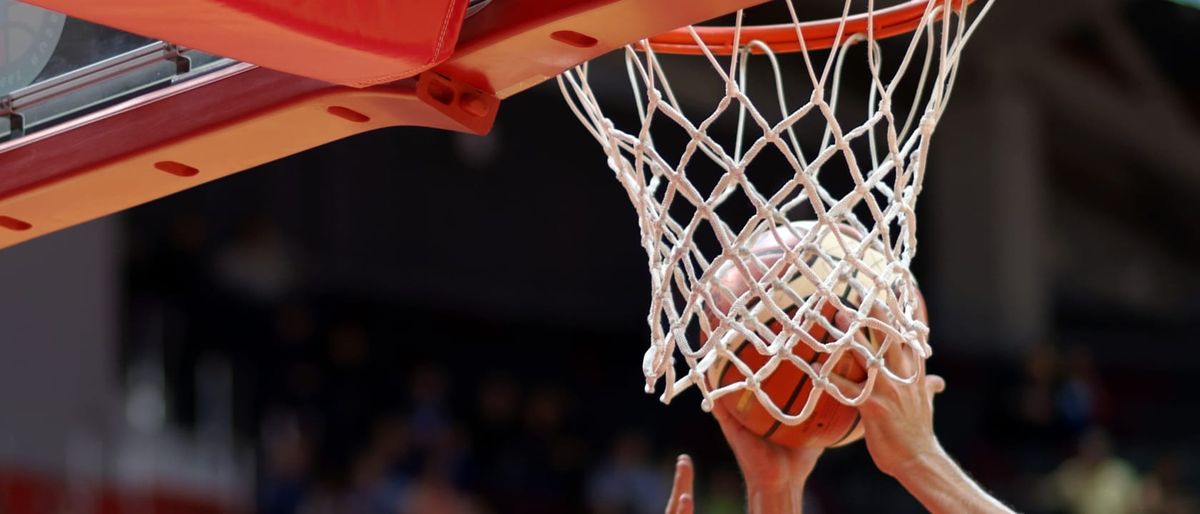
775, 426
804, 379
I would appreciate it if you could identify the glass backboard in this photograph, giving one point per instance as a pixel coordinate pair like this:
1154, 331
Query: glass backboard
53, 67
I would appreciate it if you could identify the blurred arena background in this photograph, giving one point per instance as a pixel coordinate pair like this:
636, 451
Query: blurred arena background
388, 324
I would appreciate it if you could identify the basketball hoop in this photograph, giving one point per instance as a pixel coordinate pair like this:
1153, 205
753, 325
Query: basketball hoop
798, 37
705, 203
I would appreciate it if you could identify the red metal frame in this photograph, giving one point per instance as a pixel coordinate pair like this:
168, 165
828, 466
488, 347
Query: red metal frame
235, 119
817, 35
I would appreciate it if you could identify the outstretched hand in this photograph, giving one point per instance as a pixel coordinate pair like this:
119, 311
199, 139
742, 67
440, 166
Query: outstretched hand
897, 418
898, 426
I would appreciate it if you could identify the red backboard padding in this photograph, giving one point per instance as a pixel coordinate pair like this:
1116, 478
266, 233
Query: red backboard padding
357, 43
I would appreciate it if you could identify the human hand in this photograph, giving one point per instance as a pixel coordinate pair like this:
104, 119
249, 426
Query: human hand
682, 497
767, 467
897, 418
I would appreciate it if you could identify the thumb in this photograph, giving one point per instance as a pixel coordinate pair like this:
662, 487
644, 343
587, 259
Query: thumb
935, 383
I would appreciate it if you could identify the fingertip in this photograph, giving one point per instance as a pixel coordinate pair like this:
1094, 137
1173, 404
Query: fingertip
935, 383
842, 320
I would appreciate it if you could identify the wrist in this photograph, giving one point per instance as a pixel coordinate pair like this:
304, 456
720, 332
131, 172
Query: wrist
926, 465
773, 489
929, 459
774, 500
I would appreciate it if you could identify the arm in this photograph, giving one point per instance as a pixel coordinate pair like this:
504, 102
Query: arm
942, 486
898, 422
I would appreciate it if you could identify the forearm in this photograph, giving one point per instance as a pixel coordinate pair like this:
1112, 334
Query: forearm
943, 487
789, 500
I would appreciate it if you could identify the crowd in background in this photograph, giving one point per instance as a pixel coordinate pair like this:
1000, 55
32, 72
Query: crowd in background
360, 405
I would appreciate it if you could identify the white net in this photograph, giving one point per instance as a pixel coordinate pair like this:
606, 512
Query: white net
813, 202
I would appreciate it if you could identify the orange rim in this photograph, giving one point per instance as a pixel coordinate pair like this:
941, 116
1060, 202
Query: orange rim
818, 35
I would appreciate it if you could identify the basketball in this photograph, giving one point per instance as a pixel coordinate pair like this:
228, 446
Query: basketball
831, 423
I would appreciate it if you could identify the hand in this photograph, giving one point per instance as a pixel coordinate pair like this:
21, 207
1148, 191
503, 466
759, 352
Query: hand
766, 466
897, 418
682, 498
898, 424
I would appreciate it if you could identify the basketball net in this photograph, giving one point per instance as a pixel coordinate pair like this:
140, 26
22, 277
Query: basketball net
702, 206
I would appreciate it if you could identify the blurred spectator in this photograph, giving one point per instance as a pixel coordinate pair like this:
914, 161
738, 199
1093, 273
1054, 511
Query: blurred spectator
435, 492
1082, 399
1164, 489
629, 482
330, 497
444, 481
260, 263
429, 403
384, 469
1035, 401
496, 419
1095, 481
542, 462
286, 462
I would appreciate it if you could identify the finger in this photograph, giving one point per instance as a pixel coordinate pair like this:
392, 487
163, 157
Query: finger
848, 388
684, 476
902, 359
686, 505
685, 473
935, 383
843, 321
897, 356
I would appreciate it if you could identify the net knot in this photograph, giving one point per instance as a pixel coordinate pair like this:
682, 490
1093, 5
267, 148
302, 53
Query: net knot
874, 362
885, 103
818, 95
822, 382
929, 121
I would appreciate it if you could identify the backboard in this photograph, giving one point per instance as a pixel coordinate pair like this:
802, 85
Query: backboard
94, 120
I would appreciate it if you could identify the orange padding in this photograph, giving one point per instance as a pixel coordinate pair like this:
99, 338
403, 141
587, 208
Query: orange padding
356, 43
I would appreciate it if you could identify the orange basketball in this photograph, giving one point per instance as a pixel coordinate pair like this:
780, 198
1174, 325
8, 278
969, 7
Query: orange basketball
831, 422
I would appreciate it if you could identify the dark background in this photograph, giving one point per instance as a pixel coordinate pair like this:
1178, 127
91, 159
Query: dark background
417, 321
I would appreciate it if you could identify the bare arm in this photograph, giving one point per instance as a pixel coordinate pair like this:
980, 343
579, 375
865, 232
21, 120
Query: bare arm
943, 487
898, 422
